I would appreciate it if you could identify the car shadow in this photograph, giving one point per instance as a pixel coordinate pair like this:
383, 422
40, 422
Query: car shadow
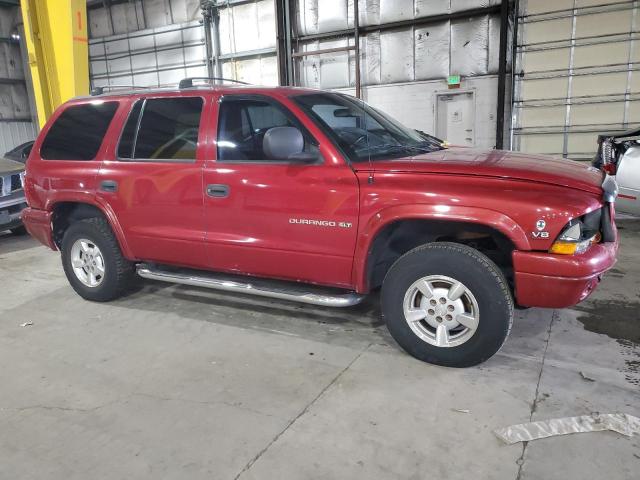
362, 322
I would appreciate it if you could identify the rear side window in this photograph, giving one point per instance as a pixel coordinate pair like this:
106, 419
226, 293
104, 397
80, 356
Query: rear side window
78, 132
162, 129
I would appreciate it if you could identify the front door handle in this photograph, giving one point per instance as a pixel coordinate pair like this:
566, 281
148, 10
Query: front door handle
109, 186
218, 190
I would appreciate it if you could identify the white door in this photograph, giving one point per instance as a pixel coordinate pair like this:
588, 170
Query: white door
456, 118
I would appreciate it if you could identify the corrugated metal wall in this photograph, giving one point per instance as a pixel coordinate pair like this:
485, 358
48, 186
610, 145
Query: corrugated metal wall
171, 51
15, 114
466, 47
578, 64
403, 69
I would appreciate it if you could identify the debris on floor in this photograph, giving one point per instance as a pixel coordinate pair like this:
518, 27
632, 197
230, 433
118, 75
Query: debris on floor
460, 410
586, 377
617, 422
26, 324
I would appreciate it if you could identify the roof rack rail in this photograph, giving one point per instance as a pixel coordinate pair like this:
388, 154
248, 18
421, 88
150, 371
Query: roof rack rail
188, 82
101, 90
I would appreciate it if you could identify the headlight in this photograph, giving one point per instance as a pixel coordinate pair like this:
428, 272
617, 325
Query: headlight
574, 239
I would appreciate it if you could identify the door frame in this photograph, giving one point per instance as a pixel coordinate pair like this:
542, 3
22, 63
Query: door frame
441, 93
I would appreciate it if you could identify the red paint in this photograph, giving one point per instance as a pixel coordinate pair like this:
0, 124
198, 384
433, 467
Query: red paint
79, 17
628, 197
160, 212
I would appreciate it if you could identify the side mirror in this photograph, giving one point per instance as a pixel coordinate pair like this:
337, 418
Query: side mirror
283, 143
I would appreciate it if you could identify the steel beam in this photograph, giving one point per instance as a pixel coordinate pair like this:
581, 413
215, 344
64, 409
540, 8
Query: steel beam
283, 42
502, 73
55, 32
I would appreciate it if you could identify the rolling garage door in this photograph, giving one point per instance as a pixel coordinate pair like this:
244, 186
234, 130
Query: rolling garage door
577, 74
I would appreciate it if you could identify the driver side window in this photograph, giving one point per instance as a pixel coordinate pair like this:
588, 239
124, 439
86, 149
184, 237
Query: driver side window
243, 124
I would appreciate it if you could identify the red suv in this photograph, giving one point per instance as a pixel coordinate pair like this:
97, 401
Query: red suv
315, 197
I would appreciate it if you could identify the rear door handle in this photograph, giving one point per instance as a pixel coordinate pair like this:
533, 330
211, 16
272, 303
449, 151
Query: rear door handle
109, 186
218, 190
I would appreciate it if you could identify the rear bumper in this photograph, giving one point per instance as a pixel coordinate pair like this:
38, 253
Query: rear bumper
38, 224
559, 281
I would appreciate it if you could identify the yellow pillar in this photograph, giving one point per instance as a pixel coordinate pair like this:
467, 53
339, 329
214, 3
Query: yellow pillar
57, 45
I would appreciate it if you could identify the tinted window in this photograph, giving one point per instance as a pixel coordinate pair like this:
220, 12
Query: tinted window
77, 133
125, 148
168, 130
243, 123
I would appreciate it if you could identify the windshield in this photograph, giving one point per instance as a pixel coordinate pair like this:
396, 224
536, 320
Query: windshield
362, 132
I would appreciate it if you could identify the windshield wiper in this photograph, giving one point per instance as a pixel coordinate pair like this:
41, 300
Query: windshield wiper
424, 147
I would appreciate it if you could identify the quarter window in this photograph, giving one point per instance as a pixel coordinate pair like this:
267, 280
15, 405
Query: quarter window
78, 132
162, 129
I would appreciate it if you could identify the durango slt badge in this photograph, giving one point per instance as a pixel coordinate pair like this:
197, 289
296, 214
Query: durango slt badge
320, 223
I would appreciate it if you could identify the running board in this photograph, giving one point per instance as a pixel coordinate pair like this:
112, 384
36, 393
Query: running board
263, 288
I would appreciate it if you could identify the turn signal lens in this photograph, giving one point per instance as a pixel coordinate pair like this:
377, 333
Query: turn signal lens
563, 247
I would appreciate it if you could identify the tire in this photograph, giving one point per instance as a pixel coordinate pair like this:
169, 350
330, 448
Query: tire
485, 306
118, 273
19, 230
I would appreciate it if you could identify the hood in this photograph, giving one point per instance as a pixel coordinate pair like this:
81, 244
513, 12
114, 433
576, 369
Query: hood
498, 164
9, 166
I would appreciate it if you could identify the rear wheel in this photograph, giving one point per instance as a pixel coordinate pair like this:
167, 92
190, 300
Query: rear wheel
93, 262
447, 304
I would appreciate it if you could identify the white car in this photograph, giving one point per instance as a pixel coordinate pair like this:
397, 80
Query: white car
619, 155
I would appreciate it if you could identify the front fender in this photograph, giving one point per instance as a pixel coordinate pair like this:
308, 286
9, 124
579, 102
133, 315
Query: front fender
458, 213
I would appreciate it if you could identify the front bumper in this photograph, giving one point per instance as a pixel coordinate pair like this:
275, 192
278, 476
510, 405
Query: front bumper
558, 281
38, 224
11, 206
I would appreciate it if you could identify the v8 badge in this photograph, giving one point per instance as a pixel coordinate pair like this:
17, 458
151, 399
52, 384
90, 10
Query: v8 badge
540, 234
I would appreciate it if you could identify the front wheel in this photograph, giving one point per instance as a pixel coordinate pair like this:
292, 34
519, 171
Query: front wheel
447, 304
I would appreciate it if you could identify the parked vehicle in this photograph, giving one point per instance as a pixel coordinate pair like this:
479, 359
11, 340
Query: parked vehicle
12, 199
619, 155
315, 197
20, 153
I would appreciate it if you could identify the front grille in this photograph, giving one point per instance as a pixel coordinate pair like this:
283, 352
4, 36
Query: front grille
9, 184
16, 184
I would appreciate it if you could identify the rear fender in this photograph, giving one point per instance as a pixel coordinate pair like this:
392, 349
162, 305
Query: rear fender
90, 199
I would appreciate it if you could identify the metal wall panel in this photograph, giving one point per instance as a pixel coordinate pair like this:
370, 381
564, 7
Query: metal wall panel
464, 47
165, 54
13, 134
14, 100
396, 59
432, 47
470, 46
580, 75
152, 57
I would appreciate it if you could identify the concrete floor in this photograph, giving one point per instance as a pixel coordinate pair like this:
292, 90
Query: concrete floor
177, 382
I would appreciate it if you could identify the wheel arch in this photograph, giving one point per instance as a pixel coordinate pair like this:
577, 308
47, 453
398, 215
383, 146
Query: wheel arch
65, 212
392, 232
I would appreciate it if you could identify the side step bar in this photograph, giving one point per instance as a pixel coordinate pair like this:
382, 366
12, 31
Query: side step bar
259, 287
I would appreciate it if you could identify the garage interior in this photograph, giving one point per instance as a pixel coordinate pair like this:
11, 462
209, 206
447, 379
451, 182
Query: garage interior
174, 381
